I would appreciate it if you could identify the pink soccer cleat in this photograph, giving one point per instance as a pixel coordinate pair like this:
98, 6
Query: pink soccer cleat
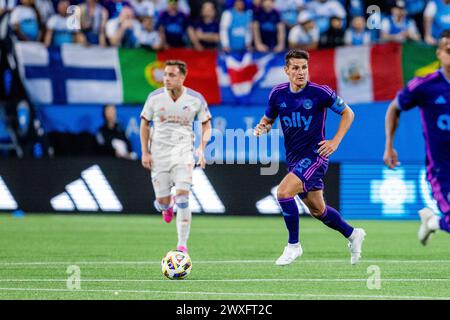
168, 215
183, 249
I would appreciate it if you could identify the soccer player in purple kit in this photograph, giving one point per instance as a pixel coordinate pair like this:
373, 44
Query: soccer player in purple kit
301, 106
432, 95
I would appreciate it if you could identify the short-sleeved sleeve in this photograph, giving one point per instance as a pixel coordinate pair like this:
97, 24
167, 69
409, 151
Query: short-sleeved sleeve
407, 98
147, 110
331, 100
272, 109
203, 114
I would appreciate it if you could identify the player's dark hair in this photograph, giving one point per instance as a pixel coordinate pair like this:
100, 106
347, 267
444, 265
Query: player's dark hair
445, 34
296, 54
182, 66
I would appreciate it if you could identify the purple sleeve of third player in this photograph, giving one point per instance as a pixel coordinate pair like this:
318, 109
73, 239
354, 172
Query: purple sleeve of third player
407, 98
271, 110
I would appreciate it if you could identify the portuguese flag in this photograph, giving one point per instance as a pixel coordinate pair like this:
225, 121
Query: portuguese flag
142, 72
418, 60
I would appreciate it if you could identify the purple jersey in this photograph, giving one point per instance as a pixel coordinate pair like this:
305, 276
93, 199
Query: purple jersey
432, 95
302, 116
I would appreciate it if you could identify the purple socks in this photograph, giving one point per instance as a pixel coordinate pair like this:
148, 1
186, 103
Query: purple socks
332, 219
290, 215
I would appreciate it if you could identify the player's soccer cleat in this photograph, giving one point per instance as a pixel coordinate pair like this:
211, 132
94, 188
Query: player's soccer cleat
289, 255
168, 215
424, 231
183, 249
355, 244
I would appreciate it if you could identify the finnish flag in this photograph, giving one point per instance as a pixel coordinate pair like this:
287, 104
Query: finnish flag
70, 74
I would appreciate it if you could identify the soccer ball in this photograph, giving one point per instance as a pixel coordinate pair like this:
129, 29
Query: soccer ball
176, 265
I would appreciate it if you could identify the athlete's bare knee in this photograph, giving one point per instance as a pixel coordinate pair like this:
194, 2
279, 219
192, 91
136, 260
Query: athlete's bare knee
284, 193
316, 210
181, 192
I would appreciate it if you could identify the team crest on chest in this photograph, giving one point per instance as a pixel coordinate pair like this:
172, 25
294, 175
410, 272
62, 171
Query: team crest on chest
307, 104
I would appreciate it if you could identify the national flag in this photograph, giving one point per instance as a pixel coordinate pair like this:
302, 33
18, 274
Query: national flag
142, 72
359, 74
418, 60
70, 73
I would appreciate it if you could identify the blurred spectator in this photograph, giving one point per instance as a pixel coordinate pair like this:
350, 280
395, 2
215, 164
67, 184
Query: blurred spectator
114, 7
173, 26
357, 34
235, 28
415, 10
207, 29
255, 6
305, 35
148, 37
25, 21
111, 138
143, 8
6, 6
45, 9
398, 27
269, 32
437, 19
124, 30
356, 8
163, 5
334, 36
196, 8
59, 30
323, 10
228, 4
93, 22
289, 10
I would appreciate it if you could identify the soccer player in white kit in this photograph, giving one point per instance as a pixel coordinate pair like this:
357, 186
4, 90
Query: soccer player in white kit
169, 150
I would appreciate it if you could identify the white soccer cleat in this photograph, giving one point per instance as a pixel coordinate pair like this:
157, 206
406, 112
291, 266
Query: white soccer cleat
355, 245
424, 231
289, 255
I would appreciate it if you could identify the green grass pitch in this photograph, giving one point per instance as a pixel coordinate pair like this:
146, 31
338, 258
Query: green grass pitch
233, 258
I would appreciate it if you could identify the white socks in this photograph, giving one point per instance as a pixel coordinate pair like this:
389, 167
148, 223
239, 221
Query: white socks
184, 217
294, 245
433, 223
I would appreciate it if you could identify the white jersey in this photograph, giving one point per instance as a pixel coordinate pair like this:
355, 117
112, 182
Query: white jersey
173, 120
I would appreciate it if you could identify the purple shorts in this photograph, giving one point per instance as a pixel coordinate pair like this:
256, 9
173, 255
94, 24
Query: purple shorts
310, 170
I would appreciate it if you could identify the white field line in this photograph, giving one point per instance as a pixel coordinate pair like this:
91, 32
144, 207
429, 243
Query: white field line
49, 263
250, 294
235, 280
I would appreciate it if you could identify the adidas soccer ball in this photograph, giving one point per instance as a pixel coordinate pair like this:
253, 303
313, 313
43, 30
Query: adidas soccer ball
176, 265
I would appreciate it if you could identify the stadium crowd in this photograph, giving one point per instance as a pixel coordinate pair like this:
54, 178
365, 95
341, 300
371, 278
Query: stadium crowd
230, 25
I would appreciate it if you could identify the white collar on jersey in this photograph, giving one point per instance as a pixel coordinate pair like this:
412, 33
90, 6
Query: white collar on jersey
183, 90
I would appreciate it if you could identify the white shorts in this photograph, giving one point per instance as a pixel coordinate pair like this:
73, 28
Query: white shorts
166, 174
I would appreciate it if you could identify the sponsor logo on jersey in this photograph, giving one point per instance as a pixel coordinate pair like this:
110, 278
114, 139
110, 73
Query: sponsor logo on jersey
296, 120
